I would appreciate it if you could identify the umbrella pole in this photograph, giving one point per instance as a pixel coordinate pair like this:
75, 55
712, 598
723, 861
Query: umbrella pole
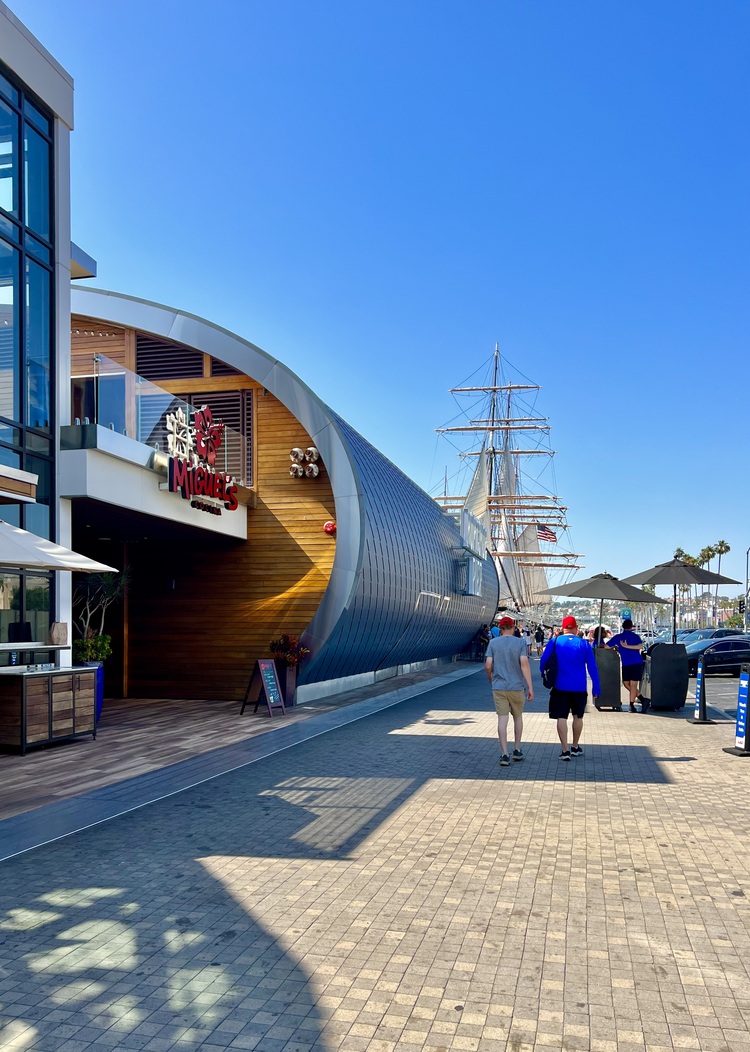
674, 613
601, 615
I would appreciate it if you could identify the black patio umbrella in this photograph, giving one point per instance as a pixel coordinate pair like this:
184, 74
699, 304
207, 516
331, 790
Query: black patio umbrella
604, 586
677, 572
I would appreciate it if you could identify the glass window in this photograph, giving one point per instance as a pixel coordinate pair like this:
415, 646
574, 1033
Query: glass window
36, 117
10, 349
10, 459
36, 607
36, 182
37, 519
10, 613
8, 159
37, 249
8, 229
38, 443
12, 514
38, 331
9, 434
7, 89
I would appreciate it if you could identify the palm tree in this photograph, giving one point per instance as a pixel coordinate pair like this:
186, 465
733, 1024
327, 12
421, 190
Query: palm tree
720, 548
704, 559
706, 555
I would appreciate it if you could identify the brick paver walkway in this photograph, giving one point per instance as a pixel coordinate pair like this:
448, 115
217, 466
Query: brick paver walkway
386, 886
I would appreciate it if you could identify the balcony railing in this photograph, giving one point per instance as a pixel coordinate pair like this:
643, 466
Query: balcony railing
105, 393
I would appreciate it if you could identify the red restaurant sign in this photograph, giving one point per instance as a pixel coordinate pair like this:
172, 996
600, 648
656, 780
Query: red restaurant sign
193, 474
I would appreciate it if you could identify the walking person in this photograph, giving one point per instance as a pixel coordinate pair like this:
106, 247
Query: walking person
539, 639
480, 641
569, 694
509, 673
527, 639
630, 646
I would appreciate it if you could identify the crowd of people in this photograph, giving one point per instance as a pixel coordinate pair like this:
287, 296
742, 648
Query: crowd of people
566, 663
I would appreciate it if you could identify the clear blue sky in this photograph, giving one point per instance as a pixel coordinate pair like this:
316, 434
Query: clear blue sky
376, 192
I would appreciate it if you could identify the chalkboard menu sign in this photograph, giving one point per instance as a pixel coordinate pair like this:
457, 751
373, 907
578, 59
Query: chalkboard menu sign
265, 681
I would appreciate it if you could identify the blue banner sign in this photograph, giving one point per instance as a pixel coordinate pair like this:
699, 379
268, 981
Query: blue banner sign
698, 690
740, 735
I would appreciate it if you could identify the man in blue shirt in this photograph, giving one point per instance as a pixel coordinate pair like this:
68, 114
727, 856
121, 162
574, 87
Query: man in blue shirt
570, 693
630, 646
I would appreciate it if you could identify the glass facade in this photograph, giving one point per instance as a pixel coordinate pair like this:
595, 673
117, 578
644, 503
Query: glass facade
26, 332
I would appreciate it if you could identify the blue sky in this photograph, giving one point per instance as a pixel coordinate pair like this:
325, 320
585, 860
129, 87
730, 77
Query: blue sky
376, 192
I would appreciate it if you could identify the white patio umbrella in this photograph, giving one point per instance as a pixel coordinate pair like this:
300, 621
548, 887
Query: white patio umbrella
20, 549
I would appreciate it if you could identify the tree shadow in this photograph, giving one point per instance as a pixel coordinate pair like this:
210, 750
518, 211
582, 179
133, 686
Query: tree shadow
124, 934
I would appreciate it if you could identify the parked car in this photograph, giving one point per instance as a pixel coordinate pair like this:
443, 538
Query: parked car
651, 637
719, 655
708, 633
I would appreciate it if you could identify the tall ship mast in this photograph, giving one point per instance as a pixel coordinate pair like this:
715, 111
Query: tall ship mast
524, 523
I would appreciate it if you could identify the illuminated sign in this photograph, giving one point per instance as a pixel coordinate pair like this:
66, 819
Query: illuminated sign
192, 449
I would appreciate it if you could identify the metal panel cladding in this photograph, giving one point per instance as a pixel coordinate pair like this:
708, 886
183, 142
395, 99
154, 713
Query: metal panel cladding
408, 603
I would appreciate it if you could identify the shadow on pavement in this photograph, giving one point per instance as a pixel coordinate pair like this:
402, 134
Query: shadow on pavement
119, 935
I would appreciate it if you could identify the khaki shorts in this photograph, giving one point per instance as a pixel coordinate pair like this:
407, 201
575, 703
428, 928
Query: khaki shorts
507, 701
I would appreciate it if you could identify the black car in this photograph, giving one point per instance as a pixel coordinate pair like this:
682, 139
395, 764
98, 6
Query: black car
719, 655
708, 633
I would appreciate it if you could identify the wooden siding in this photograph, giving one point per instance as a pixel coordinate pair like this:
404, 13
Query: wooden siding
199, 614
89, 337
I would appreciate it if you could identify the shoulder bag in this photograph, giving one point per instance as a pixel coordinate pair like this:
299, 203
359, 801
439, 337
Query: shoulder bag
549, 675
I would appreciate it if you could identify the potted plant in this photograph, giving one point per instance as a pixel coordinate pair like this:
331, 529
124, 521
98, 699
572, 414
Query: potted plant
92, 597
289, 651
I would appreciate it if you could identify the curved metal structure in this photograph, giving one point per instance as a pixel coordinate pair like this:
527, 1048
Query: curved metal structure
395, 593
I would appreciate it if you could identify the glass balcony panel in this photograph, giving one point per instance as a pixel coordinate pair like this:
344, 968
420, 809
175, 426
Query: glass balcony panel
107, 394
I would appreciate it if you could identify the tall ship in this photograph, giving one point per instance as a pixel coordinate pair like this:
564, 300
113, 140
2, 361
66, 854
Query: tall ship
511, 486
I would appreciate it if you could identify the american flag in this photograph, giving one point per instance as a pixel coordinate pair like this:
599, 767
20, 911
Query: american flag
544, 533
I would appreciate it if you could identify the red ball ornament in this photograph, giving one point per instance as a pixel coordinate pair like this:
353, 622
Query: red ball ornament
329, 527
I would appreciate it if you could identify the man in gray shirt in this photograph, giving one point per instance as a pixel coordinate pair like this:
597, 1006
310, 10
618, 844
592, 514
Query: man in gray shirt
509, 673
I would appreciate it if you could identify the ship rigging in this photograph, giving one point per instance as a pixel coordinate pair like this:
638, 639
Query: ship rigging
523, 527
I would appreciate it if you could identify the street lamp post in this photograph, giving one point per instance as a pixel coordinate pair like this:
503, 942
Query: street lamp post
744, 616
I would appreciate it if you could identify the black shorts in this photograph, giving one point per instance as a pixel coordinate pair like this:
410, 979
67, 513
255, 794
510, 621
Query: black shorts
632, 673
564, 702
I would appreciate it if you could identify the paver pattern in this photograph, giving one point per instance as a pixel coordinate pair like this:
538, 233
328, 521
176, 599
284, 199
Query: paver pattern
387, 886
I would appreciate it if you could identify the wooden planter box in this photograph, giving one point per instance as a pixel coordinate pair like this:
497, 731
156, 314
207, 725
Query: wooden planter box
37, 708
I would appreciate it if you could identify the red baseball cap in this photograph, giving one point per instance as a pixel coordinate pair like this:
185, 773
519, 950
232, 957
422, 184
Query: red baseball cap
505, 622
569, 622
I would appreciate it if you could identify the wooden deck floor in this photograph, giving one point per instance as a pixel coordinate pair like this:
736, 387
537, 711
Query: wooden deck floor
133, 738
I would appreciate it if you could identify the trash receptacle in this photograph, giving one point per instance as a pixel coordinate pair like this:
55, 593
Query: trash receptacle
665, 676
610, 678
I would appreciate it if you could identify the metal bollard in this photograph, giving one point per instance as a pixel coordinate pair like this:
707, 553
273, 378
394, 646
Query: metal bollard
740, 731
699, 715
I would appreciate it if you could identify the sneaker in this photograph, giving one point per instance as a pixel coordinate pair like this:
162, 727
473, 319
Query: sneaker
565, 755
633, 708
517, 754
576, 750
505, 760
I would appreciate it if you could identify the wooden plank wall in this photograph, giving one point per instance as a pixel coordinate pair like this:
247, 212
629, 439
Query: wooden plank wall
201, 613
89, 337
